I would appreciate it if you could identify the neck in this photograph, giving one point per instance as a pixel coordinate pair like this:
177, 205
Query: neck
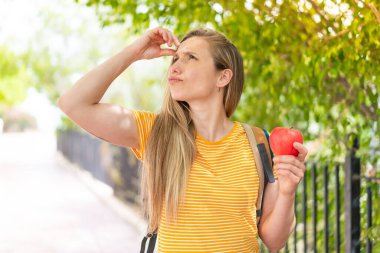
211, 121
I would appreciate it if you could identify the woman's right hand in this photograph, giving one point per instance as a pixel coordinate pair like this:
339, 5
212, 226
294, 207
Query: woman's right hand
149, 45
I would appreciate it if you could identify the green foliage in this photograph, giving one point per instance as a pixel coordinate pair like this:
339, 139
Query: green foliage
67, 124
44, 71
312, 65
14, 78
305, 62
372, 233
31, 68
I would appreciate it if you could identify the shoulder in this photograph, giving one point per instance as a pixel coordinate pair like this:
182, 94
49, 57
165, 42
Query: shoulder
144, 121
144, 117
144, 114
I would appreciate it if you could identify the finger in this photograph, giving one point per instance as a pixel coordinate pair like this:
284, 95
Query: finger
169, 41
175, 39
167, 37
167, 52
177, 42
289, 175
301, 149
299, 172
158, 36
288, 159
163, 34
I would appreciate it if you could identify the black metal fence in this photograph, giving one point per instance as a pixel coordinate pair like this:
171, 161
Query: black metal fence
115, 166
322, 224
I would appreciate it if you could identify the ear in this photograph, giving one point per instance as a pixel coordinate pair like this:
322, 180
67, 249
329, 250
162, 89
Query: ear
224, 78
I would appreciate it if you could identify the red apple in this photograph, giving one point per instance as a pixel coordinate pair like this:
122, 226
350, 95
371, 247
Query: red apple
281, 140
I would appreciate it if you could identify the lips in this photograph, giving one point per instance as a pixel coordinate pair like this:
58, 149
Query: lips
173, 80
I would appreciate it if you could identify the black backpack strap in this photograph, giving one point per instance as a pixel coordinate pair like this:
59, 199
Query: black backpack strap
267, 136
256, 138
268, 172
152, 242
143, 242
266, 154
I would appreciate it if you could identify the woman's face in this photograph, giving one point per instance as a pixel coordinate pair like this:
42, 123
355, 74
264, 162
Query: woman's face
192, 74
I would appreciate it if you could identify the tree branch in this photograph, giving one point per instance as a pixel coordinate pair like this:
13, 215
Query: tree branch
343, 32
372, 7
318, 10
366, 110
348, 97
375, 11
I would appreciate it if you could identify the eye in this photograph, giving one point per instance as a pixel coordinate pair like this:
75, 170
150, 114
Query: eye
175, 58
192, 57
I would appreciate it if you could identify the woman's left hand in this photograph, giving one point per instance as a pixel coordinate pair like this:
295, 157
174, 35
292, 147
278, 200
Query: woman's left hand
290, 169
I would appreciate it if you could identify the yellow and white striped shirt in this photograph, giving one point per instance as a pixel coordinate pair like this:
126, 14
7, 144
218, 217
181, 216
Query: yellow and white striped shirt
219, 213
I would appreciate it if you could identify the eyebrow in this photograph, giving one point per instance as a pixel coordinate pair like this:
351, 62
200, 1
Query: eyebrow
187, 53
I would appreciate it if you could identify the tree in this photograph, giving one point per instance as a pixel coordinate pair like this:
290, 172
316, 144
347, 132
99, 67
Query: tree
58, 52
14, 78
309, 64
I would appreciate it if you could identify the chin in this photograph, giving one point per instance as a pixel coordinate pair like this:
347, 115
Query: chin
178, 97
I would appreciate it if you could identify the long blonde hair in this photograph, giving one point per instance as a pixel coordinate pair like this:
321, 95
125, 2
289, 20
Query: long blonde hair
171, 148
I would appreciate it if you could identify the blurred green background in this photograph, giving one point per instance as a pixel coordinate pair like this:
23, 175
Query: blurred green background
311, 65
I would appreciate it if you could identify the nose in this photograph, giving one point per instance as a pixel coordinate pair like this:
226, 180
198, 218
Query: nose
175, 68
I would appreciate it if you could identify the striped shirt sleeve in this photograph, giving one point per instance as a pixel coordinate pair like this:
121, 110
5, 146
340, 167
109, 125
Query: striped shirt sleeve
144, 121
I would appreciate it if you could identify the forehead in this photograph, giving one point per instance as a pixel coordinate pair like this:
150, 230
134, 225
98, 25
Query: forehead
196, 45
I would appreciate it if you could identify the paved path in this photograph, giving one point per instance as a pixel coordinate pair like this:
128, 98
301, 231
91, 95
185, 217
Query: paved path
46, 208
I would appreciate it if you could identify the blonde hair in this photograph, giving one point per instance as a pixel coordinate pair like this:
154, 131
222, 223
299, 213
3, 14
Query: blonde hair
171, 148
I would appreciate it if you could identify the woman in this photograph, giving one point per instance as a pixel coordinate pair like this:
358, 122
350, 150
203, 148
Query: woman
199, 179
